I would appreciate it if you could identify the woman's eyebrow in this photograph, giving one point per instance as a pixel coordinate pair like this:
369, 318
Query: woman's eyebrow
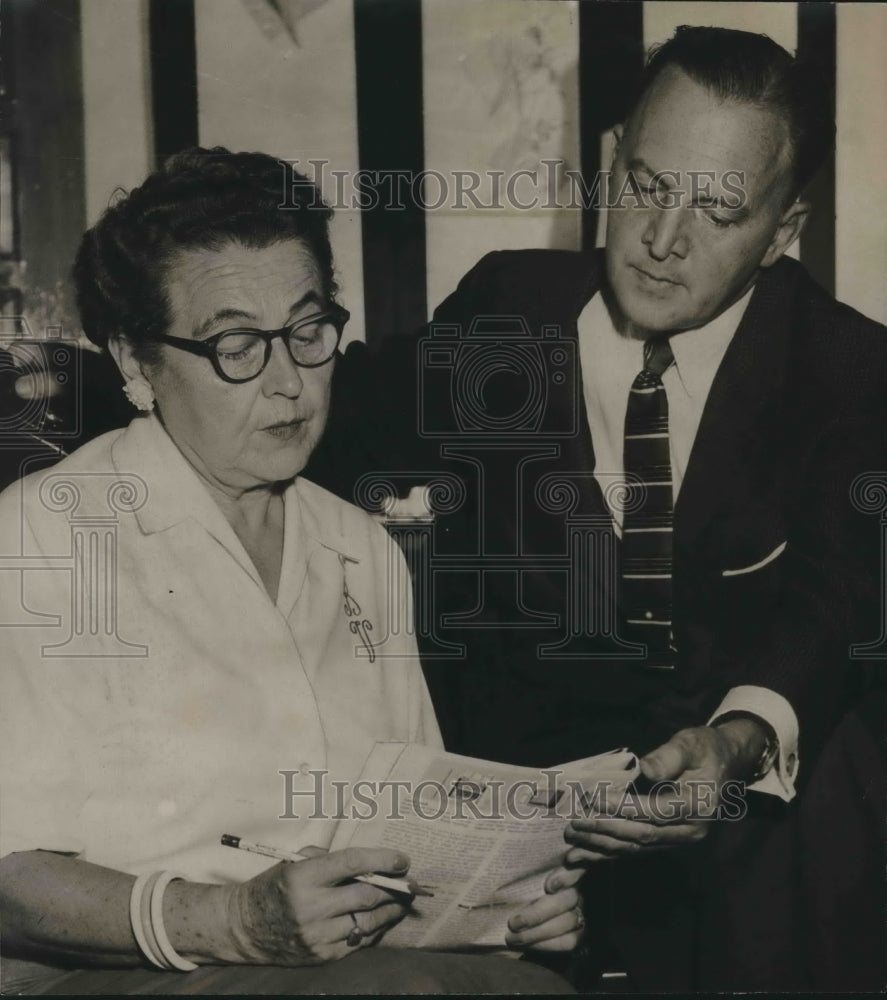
309, 298
219, 315
229, 313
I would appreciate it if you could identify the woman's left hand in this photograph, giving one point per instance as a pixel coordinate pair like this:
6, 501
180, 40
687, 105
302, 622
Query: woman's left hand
554, 922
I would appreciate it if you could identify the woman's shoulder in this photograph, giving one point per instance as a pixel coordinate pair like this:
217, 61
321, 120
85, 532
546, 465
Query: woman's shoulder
334, 521
75, 472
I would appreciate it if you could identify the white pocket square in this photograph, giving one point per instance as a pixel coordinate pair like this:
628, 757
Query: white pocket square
775, 554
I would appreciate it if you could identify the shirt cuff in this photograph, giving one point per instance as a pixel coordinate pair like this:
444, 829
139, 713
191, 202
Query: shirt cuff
778, 713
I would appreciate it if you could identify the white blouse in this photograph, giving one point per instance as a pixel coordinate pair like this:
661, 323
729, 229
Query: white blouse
151, 692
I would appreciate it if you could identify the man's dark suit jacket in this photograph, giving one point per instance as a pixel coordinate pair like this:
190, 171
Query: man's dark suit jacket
797, 411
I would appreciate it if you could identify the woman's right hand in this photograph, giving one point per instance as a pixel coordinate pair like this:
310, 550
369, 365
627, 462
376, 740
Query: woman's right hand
299, 914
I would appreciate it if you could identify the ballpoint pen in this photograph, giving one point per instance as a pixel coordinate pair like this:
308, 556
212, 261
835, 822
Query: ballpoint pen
404, 885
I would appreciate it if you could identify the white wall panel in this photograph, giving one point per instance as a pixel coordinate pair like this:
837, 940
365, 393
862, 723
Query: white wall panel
861, 163
118, 142
501, 94
295, 101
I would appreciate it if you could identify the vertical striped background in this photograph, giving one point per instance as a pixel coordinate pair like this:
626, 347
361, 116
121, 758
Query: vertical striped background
447, 86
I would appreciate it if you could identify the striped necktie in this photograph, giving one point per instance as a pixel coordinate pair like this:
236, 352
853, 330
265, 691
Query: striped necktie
649, 512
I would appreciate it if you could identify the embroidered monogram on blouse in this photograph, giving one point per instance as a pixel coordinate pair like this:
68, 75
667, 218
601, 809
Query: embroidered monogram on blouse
359, 626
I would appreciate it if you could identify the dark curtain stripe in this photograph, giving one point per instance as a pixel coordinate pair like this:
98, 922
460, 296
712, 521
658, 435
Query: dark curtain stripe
611, 57
45, 120
388, 53
817, 41
173, 76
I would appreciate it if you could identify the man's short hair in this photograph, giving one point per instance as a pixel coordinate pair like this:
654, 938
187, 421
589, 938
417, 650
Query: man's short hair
749, 68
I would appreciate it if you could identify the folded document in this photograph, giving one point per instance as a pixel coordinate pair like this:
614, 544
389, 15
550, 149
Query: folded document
482, 836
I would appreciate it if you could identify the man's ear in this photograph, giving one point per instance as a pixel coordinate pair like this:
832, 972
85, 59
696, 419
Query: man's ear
121, 350
788, 230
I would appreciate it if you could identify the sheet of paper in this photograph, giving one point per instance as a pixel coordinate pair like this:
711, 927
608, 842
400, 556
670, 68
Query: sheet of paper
482, 836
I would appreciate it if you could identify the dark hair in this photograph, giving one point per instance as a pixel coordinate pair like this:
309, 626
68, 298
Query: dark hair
746, 67
199, 199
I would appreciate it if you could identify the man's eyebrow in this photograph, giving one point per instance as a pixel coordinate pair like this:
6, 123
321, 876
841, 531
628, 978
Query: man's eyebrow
638, 166
229, 313
724, 205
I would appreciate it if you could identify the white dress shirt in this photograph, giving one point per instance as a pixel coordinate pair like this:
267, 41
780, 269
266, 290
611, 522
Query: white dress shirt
142, 762
610, 362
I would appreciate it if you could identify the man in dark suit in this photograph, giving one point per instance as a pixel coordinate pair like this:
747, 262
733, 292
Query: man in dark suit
703, 617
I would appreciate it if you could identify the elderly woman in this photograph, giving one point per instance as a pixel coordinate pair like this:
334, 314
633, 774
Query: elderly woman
178, 606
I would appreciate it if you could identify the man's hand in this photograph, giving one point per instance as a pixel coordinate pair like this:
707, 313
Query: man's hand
554, 922
689, 774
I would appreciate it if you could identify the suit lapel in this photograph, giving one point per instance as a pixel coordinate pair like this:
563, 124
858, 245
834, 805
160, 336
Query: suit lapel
736, 420
577, 452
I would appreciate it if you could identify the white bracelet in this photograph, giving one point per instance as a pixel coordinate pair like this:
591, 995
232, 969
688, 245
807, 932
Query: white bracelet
171, 956
137, 919
148, 923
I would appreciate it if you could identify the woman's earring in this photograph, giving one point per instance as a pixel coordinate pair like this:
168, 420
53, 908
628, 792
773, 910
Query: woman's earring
139, 392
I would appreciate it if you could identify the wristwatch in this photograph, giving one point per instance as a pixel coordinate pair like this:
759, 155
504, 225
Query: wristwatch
764, 764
